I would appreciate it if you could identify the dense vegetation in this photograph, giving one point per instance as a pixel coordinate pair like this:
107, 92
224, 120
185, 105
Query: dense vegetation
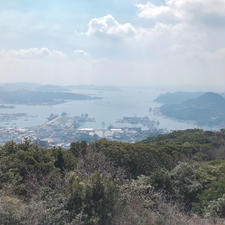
177, 178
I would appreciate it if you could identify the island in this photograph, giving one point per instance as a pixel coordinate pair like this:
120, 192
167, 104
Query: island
27, 97
206, 110
7, 107
177, 97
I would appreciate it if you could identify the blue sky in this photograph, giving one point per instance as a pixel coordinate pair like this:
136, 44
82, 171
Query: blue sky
64, 17
118, 42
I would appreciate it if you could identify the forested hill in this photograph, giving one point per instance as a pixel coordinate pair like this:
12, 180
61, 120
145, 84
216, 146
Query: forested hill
177, 97
161, 180
192, 136
206, 110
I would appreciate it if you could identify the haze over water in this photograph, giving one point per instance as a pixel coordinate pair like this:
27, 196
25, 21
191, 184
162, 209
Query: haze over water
113, 106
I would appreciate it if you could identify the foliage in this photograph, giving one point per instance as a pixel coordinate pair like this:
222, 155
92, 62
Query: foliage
19, 163
95, 197
137, 159
193, 144
162, 180
216, 208
78, 148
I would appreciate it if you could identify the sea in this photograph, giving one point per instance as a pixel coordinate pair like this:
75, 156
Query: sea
109, 108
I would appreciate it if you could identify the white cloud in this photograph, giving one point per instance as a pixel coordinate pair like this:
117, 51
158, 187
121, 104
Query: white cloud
174, 49
109, 27
177, 40
205, 11
185, 37
80, 52
209, 7
170, 47
151, 11
32, 53
218, 55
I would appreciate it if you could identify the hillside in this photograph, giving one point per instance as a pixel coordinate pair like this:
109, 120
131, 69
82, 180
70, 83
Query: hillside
162, 180
177, 97
206, 110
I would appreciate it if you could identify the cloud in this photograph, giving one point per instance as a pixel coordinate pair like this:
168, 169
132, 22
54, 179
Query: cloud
180, 39
207, 7
189, 29
218, 55
165, 44
151, 11
109, 27
32, 53
208, 12
80, 52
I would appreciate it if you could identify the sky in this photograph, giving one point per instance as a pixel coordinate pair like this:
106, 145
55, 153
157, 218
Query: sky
117, 42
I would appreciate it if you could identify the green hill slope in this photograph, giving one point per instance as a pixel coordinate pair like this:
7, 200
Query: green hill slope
206, 110
164, 178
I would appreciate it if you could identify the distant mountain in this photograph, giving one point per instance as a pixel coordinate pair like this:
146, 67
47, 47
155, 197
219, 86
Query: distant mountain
37, 94
33, 87
206, 110
54, 88
25, 97
177, 97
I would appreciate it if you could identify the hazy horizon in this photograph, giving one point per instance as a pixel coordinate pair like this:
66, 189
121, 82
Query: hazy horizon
163, 88
127, 43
